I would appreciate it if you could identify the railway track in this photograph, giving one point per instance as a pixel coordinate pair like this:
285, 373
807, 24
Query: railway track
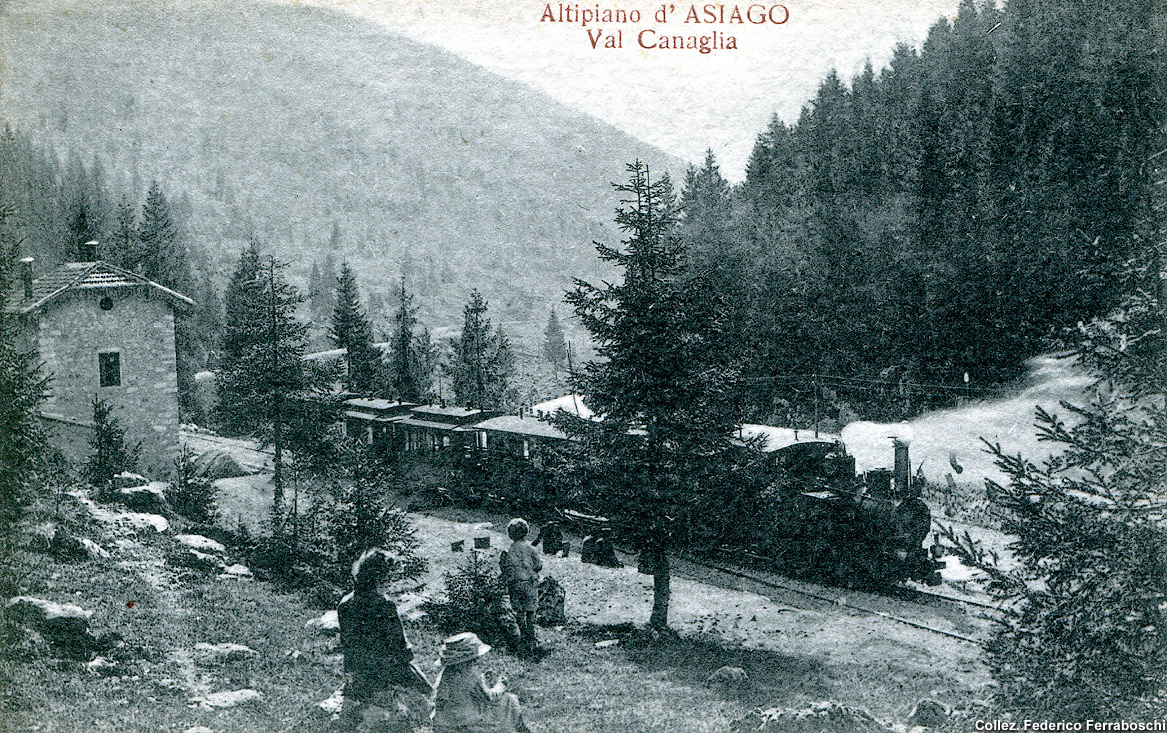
839, 599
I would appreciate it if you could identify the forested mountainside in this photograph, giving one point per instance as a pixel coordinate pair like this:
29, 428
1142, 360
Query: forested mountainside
325, 135
923, 229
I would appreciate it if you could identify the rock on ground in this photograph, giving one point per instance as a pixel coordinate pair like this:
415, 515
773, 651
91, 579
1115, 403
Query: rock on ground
929, 714
217, 464
734, 677
63, 624
329, 623
236, 571
818, 717
128, 479
185, 557
201, 543
150, 498
228, 698
101, 666
223, 653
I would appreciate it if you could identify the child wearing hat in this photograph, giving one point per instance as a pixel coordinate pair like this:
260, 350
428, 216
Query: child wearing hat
463, 702
520, 566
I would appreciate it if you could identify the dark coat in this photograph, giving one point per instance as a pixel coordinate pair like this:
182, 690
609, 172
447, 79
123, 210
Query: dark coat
376, 652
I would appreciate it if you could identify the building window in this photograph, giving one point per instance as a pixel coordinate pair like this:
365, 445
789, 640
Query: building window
109, 368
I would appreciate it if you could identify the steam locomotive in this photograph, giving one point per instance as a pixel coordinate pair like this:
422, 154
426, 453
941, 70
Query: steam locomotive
828, 524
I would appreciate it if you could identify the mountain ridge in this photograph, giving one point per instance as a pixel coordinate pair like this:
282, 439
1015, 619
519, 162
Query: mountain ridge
287, 119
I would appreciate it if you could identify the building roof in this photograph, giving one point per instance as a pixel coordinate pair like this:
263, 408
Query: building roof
531, 426
572, 403
375, 403
77, 276
444, 411
428, 424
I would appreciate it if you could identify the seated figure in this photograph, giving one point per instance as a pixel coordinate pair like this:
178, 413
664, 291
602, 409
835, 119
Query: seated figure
464, 703
384, 689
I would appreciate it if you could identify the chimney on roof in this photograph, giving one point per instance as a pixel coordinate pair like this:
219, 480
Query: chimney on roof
26, 275
88, 251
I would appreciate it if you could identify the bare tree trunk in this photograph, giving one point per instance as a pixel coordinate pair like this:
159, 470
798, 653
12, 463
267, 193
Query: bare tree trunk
660, 588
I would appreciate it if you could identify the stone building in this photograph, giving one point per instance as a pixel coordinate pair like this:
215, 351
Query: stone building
108, 333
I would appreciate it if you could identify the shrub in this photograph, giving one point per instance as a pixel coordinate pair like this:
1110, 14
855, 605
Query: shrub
346, 514
111, 455
191, 495
1091, 638
476, 600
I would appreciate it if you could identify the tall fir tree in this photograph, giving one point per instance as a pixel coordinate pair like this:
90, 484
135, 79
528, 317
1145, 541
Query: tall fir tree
554, 343
241, 307
275, 390
411, 355
658, 387
482, 362
22, 391
164, 255
352, 331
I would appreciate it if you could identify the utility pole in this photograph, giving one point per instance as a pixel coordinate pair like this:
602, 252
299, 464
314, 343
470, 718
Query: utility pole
277, 393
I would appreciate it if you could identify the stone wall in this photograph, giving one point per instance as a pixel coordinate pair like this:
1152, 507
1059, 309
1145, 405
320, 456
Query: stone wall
72, 330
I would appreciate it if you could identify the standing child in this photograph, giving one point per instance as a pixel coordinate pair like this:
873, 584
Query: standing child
520, 572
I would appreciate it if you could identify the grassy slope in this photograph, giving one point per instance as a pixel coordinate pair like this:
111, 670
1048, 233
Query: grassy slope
577, 688
292, 117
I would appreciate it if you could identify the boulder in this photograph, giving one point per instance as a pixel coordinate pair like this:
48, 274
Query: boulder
65, 546
729, 678
236, 571
228, 698
150, 498
202, 544
95, 551
333, 704
185, 557
329, 623
64, 625
217, 464
223, 653
102, 667
929, 714
818, 717
126, 480
198, 729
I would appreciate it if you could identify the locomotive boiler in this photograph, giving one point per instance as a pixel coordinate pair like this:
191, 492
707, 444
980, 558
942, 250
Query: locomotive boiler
829, 524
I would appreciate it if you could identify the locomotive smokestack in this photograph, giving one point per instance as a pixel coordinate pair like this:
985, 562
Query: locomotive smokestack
903, 468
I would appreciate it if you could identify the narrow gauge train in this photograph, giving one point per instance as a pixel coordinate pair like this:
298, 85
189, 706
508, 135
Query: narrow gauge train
825, 523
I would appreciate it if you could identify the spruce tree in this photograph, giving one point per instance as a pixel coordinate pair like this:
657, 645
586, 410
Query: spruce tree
110, 454
241, 308
352, 332
22, 390
554, 344
411, 358
276, 391
482, 361
164, 256
659, 386
122, 249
